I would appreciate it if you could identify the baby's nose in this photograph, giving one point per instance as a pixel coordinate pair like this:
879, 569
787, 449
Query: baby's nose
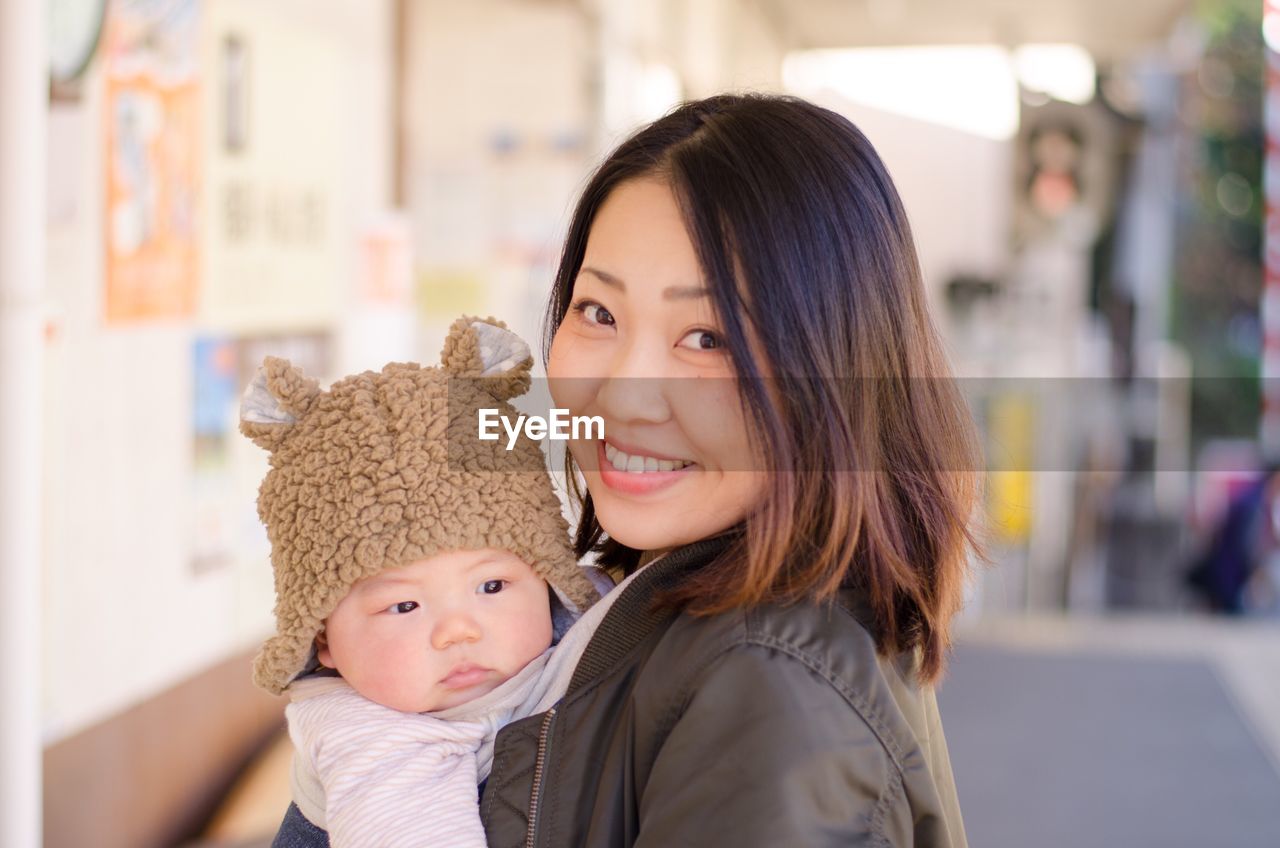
454, 628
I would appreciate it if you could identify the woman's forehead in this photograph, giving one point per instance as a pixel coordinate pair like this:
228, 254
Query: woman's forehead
640, 228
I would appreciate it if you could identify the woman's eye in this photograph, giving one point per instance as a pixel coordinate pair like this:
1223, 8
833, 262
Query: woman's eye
702, 340
402, 607
492, 587
593, 313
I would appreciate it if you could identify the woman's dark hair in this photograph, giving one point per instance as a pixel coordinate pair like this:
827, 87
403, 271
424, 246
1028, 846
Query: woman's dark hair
806, 248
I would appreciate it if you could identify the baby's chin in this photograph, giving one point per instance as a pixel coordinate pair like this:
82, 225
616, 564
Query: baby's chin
437, 697
456, 699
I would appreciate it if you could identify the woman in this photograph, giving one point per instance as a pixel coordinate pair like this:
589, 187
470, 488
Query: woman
786, 481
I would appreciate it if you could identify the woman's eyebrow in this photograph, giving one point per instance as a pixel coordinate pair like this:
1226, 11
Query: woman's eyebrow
669, 293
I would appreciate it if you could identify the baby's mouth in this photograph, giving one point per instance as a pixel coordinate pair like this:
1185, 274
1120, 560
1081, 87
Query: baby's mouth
465, 675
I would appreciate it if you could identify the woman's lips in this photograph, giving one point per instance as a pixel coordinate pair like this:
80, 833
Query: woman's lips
635, 450
637, 482
465, 676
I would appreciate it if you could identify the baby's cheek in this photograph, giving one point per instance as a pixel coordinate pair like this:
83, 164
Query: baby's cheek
390, 670
522, 641
399, 698
408, 687
536, 633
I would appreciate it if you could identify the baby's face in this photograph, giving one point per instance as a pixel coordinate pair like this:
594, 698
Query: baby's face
440, 631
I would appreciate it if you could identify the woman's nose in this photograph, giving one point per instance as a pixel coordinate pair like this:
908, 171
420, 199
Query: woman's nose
454, 627
634, 385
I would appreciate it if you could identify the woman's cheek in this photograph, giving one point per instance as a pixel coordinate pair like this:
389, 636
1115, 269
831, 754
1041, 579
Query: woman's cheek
575, 364
564, 357
569, 390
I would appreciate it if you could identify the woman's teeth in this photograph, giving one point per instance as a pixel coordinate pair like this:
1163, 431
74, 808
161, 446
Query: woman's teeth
640, 464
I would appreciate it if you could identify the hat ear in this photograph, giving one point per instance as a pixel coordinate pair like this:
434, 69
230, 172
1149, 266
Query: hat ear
277, 396
484, 349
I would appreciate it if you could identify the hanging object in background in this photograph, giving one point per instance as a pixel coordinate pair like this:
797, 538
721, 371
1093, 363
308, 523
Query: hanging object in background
75, 28
1055, 170
1064, 173
152, 116
234, 94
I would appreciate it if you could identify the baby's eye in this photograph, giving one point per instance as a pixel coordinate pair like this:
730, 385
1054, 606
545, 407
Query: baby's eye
492, 587
703, 340
593, 313
402, 607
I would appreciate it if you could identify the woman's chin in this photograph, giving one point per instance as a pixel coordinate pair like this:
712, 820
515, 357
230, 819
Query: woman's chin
643, 525
653, 525
664, 509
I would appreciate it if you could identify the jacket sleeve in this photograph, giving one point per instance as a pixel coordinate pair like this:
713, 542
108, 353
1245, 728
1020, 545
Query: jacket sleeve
767, 752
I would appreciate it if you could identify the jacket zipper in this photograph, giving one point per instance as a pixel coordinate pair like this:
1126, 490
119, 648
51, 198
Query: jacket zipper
544, 739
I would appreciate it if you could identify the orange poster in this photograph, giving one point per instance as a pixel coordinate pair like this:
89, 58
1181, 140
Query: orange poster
151, 112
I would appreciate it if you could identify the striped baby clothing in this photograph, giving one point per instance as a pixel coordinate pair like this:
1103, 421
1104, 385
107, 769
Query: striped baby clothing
376, 777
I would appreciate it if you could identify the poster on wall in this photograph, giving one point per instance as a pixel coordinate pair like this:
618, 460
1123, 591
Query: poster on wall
385, 262
152, 131
216, 392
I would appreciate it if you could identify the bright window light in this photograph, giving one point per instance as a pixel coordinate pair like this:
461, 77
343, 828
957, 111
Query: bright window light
1062, 71
659, 90
969, 88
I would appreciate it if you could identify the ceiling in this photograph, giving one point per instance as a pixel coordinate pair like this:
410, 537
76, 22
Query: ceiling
1109, 29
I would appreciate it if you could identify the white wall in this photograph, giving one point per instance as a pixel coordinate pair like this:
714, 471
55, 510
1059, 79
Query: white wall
125, 615
957, 188
487, 224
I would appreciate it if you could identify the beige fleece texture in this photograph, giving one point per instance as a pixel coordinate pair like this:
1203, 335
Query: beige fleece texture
384, 469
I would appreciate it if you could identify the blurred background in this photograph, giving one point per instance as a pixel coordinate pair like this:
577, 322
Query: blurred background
188, 185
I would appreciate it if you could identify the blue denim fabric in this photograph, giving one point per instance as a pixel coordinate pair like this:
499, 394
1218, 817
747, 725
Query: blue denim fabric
296, 832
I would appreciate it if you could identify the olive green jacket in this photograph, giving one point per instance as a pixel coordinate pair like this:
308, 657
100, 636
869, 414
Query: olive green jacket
775, 726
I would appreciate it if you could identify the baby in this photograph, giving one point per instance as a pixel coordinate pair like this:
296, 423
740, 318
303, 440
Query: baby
422, 576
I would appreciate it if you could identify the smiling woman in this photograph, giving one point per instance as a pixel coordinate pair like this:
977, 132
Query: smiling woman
786, 481
641, 348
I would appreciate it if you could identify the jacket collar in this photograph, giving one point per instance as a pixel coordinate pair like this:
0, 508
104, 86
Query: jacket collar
630, 619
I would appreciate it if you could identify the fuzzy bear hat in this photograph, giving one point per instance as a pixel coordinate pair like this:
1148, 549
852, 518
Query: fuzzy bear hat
385, 469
